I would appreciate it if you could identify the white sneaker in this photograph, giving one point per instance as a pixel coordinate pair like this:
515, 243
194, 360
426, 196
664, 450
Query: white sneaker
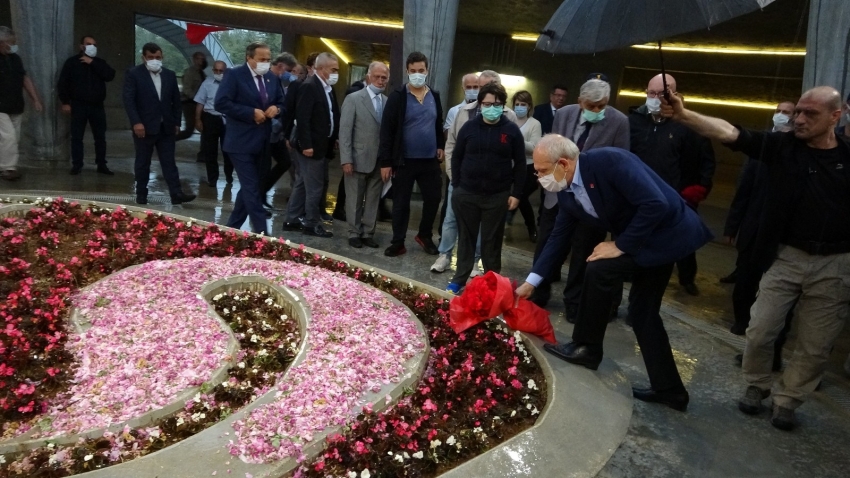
476, 271
441, 264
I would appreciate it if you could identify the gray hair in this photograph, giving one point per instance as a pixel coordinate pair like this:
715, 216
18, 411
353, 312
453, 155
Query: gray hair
376, 64
491, 74
594, 90
464, 77
6, 34
286, 58
554, 146
323, 59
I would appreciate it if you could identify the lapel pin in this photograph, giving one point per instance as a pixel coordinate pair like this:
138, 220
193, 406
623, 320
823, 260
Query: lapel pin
592, 185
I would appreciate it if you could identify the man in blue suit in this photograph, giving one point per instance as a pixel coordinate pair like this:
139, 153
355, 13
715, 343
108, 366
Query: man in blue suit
249, 96
152, 101
613, 189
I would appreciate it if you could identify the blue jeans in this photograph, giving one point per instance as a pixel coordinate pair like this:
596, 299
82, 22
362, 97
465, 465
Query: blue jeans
448, 236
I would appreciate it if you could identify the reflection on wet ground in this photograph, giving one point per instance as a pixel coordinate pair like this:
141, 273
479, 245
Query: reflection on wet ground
712, 439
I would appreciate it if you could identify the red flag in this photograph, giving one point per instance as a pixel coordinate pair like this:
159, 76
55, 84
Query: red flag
196, 33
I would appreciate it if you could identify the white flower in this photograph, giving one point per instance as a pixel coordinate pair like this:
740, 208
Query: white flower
418, 455
197, 397
180, 421
2, 459
477, 430
241, 365
436, 443
226, 311
399, 458
283, 318
365, 473
51, 445
529, 406
451, 440
262, 352
526, 397
406, 456
532, 385
513, 413
535, 411
254, 338
269, 301
88, 457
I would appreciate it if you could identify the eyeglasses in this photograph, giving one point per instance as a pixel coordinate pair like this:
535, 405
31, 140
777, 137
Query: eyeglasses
489, 104
656, 94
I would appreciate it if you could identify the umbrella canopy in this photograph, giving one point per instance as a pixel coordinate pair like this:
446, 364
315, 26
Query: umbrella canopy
590, 26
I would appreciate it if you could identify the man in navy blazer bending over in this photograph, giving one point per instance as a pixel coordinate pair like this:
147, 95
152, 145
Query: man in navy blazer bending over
613, 189
152, 101
249, 96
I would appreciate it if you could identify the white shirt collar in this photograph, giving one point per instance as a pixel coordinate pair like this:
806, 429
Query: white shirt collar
324, 84
372, 94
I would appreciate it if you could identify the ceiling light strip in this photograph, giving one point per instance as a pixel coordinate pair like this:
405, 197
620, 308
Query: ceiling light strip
307, 15
524, 37
336, 50
711, 101
723, 50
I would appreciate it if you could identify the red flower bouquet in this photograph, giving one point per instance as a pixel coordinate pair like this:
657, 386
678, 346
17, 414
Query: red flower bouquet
490, 295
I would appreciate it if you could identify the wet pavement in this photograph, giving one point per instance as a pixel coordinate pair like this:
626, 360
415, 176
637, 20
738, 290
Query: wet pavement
712, 439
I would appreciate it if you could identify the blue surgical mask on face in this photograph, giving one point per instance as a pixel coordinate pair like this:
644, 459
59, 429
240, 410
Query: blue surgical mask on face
521, 111
592, 117
288, 76
492, 113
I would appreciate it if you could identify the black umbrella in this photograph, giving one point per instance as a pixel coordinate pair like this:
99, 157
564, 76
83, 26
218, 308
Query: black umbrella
591, 26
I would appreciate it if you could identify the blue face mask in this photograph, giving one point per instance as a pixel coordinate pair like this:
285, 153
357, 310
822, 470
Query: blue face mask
492, 113
288, 76
593, 117
521, 111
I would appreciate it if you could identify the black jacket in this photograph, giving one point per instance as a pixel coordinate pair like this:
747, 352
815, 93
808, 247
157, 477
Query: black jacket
287, 117
489, 158
544, 114
391, 149
784, 176
159, 115
84, 83
747, 205
12, 76
675, 152
313, 118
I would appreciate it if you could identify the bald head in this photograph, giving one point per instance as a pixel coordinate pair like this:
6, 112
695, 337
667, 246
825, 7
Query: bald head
469, 79
377, 75
656, 85
827, 96
817, 113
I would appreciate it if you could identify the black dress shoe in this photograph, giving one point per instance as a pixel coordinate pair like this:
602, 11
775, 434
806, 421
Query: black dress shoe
339, 215
395, 250
182, 198
369, 242
675, 400
571, 313
576, 353
427, 245
75, 171
141, 199
317, 231
293, 226
355, 242
325, 217
105, 170
532, 235
731, 278
691, 289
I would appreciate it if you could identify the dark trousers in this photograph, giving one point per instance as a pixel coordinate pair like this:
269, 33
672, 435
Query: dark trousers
282, 162
546, 223
323, 201
687, 269
340, 196
584, 240
444, 208
524, 203
474, 213
189, 117
164, 145
602, 278
211, 137
248, 204
94, 115
426, 173
306, 193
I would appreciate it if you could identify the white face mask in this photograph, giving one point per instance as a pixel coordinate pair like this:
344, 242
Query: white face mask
780, 120
262, 67
218, 76
91, 51
375, 89
13, 49
418, 79
332, 79
471, 95
550, 184
653, 105
153, 65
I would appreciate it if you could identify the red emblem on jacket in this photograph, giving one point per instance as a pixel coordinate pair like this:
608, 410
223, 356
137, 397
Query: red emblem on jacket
504, 138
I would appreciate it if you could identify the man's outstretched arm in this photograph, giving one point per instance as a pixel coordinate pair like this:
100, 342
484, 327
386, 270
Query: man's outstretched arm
714, 128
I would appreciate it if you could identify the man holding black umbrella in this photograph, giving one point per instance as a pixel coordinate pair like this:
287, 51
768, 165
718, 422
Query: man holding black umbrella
803, 244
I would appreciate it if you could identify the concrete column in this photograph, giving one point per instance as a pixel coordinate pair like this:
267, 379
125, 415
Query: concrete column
397, 76
429, 27
828, 46
45, 34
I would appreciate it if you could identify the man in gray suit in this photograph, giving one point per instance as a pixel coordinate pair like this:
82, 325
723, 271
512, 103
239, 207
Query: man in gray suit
589, 124
359, 138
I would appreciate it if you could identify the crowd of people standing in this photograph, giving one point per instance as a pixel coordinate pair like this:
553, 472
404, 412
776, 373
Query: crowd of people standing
619, 193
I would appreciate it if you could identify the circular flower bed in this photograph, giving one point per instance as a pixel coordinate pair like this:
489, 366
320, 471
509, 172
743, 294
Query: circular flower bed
481, 387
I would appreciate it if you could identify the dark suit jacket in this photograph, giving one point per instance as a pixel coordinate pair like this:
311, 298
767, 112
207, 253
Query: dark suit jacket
543, 114
288, 118
747, 205
313, 129
652, 223
143, 105
237, 98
